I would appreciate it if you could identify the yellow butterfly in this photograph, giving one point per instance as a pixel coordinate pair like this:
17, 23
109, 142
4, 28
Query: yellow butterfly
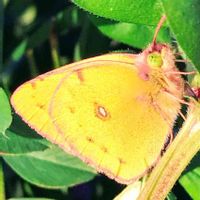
114, 111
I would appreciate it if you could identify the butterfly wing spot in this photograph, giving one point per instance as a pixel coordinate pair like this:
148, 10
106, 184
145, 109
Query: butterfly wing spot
72, 109
121, 161
104, 149
40, 78
33, 84
101, 112
80, 75
90, 139
41, 106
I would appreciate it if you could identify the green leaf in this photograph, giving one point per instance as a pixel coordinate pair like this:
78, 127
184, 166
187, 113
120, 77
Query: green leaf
190, 180
2, 187
21, 139
5, 112
142, 12
19, 51
135, 35
171, 196
15, 143
1, 34
184, 19
51, 168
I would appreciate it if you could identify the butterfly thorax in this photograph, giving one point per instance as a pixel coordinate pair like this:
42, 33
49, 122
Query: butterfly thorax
171, 75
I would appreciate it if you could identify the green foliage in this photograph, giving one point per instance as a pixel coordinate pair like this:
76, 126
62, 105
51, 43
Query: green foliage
51, 168
146, 12
38, 32
190, 178
184, 24
5, 117
141, 35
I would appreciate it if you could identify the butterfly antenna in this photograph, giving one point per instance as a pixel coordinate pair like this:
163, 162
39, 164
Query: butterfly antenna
181, 73
182, 60
160, 23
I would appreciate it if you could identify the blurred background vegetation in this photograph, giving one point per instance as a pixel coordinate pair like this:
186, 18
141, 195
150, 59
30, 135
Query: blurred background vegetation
39, 36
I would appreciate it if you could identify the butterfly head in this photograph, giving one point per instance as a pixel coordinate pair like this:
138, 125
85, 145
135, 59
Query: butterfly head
161, 57
157, 58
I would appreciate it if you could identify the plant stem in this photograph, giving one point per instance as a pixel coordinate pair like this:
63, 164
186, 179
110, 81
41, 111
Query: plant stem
54, 46
32, 64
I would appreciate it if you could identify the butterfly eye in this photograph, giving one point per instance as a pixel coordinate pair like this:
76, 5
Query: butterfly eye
154, 60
